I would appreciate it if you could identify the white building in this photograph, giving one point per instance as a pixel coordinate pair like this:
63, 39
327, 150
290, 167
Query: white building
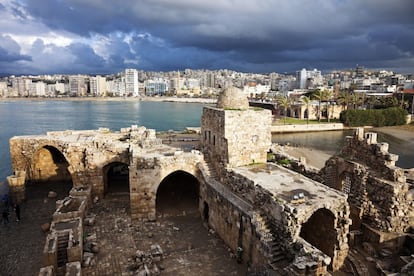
306, 79
256, 90
98, 86
77, 86
116, 87
3, 89
131, 82
37, 89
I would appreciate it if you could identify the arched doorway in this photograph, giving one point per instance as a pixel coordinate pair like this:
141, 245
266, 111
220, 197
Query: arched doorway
116, 178
49, 164
177, 195
319, 231
48, 174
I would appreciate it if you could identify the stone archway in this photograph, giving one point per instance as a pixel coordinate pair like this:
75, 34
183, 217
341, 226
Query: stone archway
116, 178
50, 165
178, 194
319, 230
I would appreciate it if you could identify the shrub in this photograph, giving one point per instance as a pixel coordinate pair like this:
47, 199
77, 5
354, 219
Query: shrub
392, 116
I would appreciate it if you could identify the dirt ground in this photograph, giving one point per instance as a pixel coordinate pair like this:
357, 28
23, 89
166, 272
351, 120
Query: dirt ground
188, 247
22, 242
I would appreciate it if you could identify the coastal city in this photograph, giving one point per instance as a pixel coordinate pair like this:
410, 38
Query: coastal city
207, 84
209, 138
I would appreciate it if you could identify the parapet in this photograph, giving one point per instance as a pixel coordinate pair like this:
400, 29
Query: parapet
364, 148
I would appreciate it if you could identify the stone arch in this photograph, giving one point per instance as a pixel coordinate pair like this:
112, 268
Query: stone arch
178, 194
319, 230
116, 177
49, 164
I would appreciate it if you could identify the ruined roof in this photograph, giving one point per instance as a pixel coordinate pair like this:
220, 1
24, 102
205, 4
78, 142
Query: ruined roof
285, 184
232, 98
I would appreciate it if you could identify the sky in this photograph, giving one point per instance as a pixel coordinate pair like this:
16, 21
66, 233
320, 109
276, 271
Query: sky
103, 36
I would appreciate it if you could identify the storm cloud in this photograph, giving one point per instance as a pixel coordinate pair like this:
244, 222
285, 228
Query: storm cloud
98, 36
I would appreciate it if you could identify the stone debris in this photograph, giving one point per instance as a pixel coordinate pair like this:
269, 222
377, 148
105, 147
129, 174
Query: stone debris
45, 227
89, 220
52, 194
146, 262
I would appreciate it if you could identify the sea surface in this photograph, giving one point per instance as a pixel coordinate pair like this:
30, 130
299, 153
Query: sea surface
34, 117
31, 117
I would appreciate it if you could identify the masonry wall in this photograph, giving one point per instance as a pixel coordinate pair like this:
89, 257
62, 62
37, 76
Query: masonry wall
236, 137
147, 172
232, 224
377, 190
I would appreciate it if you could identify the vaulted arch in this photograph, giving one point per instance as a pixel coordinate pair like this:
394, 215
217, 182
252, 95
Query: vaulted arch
50, 165
177, 194
319, 230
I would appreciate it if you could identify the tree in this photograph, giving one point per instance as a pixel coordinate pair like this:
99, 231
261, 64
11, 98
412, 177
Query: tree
306, 101
344, 99
322, 96
284, 101
355, 100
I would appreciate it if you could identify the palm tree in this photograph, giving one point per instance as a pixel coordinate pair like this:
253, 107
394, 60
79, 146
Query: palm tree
344, 99
318, 95
328, 96
370, 101
355, 100
306, 101
284, 101
321, 96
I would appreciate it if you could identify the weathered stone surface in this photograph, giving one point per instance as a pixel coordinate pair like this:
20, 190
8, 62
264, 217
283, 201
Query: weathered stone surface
378, 191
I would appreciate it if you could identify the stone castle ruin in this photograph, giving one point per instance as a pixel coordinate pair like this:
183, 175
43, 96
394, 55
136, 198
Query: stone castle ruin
276, 219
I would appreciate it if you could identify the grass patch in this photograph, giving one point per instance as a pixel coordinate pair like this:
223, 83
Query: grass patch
284, 162
296, 121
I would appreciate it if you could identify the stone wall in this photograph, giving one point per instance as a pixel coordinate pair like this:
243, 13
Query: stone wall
377, 190
236, 137
147, 172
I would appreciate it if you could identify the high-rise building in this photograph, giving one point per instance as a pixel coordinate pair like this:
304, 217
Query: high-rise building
98, 86
306, 79
156, 87
77, 86
211, 80
131, 82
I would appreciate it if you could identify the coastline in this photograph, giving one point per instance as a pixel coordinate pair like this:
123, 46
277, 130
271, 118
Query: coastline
118, 99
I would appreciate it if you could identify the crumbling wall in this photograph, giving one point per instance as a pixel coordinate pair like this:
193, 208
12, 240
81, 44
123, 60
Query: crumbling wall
377, 190
147, 170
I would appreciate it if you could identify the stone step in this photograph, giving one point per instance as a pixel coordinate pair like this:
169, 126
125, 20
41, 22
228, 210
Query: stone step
277, 259
62, 244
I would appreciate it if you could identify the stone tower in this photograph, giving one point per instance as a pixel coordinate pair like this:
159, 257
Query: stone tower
233, 134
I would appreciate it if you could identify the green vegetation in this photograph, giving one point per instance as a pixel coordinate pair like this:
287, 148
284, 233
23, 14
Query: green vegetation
284, 162
296, 121
374, 117
270, 157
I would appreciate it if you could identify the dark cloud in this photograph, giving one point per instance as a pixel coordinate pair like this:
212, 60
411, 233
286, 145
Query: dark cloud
266, 35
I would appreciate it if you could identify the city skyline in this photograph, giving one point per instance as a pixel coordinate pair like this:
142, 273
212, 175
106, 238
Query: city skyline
96, 37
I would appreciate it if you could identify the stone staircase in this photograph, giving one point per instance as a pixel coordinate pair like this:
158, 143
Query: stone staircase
266, 229
62, 254
209, 168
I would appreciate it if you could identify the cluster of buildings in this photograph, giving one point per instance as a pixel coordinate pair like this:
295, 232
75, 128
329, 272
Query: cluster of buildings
204, 83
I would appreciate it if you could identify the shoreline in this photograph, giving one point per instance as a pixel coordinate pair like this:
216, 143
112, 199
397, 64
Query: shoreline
117, 99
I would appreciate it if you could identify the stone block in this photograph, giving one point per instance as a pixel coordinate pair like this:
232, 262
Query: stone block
47, 271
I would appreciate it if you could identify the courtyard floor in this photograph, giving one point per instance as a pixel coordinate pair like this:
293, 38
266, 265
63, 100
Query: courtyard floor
188, 247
